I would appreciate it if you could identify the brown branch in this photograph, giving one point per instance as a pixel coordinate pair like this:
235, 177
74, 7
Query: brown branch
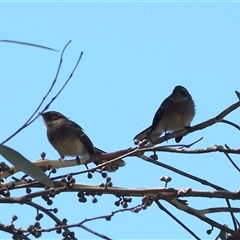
12, 231
219, 209
215, 148
159, 193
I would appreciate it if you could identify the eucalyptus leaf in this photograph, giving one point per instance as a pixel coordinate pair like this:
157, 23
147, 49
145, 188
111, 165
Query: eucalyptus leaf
29, 44
21, 163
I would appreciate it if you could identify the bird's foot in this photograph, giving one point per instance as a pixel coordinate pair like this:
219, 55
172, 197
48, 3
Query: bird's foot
78, 160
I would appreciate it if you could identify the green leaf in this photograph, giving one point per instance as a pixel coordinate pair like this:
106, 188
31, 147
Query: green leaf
21, 163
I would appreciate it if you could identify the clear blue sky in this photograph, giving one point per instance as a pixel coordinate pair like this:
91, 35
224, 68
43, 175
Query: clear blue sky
134, 55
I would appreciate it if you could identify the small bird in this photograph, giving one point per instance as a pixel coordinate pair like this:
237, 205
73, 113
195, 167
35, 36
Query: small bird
176, 112
68, 138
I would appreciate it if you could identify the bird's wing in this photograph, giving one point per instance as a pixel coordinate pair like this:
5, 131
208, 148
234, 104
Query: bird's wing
84, 138
158, 115
111, 167
142, 135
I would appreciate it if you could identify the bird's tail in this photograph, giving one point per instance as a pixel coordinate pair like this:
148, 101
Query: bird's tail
111, 167
142, 135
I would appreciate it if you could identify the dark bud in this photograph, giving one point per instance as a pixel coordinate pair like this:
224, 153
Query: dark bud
43, 155
104, 174
154, 157
144, 206
30, 228
124, 204
63, 180
101, 185
209, 231
108, 218
80, 194
82, 199
37, 224
64, 221
14, 218
94, 200
109, 184
28, 190
89, 175
149, 203
49, 202
128, 199
55, 210
39, 217
69, 177
108, 179
165, 179
72, 234
136, 210
117, 203
72, 180
54, 170
59, 231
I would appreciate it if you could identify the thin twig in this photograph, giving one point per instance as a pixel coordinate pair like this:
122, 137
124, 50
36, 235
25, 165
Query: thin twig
185, 174
231, 123
176, 219
231, 161
95, 233
30, 120
79, 59
200, 215
51, 215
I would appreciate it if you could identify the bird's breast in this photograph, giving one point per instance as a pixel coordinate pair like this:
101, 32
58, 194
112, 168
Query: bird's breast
176, 117
70, 147
65, 141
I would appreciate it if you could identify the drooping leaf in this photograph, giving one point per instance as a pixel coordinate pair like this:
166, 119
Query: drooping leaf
21, 163
29, 44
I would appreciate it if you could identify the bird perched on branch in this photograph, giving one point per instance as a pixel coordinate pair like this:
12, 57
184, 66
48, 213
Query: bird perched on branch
175, 113
68, 138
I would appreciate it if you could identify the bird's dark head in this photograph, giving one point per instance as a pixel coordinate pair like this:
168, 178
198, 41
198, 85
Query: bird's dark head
180, 92
52, 116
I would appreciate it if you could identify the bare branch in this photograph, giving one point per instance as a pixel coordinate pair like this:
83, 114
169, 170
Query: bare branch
176, 219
